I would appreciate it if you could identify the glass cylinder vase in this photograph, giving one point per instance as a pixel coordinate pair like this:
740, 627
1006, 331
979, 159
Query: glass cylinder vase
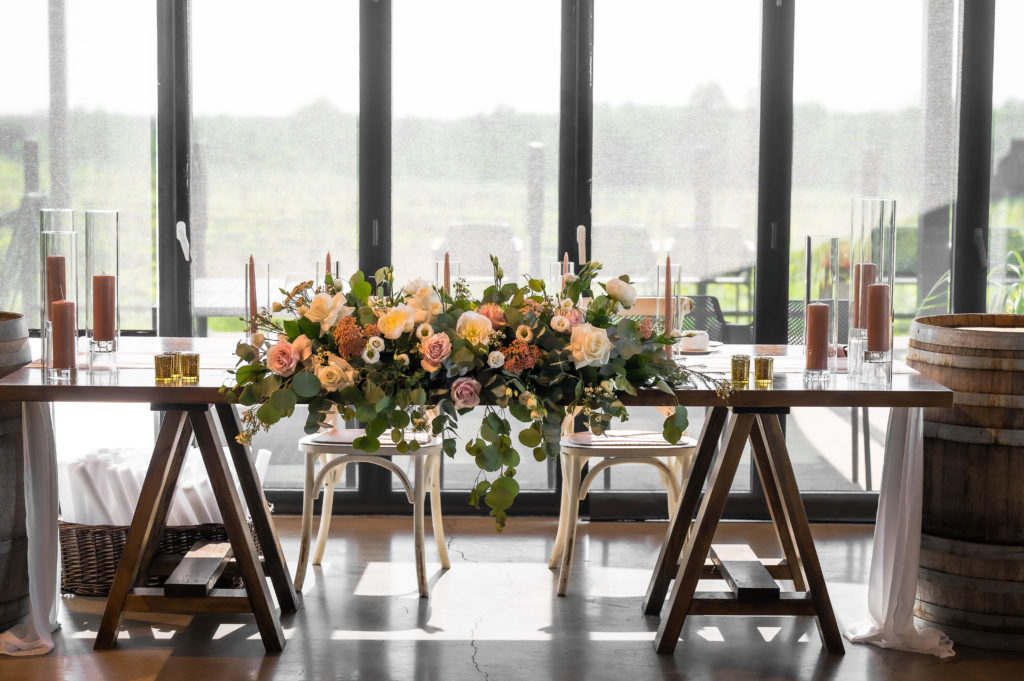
102, 283
445, 279
668, 306
59, 300
821, 265
328, 265
872, 277
557, 271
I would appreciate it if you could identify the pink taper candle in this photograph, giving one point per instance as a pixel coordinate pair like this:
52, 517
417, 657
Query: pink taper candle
668, 300
447, 272
565, 263
252, 295
327, 267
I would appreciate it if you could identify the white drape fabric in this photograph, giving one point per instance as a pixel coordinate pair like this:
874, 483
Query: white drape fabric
893, 581
33, 637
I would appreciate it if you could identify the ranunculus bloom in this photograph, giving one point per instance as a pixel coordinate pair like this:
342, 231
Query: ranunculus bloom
574, 316
336, 374
435, 349
327, 310
415, 285
524, 332
560, 323
621, 291
495, 359
370, 356
474, 327
493, 312
466, 392
589, 346
424, 331
375, 343
281, 358
397, 321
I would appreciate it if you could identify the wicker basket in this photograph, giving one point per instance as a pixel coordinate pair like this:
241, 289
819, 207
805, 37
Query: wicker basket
89, 554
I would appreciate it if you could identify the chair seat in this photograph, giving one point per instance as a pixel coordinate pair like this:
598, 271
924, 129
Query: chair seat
340, 442
626, 443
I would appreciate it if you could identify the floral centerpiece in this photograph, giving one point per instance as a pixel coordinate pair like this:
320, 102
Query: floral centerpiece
413, 358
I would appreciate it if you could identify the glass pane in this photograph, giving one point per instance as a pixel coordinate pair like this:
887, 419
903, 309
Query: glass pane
274, 146
872, 123
78, 135
1006, 217
475, 153
675, 162
273, 164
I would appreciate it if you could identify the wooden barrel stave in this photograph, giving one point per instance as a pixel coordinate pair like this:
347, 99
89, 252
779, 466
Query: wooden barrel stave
971, 579
14, 352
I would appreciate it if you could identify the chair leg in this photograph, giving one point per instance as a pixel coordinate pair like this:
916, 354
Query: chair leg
419, 497
326, 509
556, 550
435, 509
573, 483
306, 533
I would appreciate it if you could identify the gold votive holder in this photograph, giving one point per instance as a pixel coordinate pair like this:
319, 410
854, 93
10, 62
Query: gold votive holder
740, 368
176, 367
189, 366
764, 369
163, 366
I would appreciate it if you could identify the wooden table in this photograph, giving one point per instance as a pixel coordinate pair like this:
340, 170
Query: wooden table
753, 414
188, 410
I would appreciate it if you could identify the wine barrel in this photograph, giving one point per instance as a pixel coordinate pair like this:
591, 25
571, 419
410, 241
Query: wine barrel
14, 352
971, 574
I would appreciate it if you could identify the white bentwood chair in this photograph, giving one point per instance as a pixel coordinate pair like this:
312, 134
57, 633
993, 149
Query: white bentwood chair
334, 451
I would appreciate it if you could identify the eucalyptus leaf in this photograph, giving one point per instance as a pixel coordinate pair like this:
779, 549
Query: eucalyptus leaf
306, 385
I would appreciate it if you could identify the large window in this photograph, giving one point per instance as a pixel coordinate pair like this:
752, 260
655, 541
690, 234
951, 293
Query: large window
1006, 216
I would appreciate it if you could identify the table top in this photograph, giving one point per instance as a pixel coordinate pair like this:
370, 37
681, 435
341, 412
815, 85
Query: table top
135, 381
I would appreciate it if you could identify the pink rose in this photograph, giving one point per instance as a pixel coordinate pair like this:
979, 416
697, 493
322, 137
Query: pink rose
281, 358
493, 312
435, 348
302, 348
466, 392
574, 316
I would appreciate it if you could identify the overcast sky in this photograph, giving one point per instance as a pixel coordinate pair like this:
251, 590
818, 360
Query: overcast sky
455, 58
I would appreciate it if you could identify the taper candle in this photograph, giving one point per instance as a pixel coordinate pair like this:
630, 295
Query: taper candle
565, 263
447, 273
327, 266
581, 244
252, 295
817, 336
878, 319
668, 301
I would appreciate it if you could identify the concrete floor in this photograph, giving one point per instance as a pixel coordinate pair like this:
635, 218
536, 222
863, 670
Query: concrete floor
494, 616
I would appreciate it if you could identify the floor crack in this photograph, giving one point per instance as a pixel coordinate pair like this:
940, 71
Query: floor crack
451, 548
476, 649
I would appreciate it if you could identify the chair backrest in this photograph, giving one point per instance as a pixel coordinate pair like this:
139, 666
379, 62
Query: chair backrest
706, 316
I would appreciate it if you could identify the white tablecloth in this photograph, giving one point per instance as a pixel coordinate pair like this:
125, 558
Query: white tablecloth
33, 637
893, 581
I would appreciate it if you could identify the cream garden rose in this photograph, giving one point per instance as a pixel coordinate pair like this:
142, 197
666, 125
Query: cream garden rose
327, 310
474, 327
336, 374
624, 293
396, 321
589, 346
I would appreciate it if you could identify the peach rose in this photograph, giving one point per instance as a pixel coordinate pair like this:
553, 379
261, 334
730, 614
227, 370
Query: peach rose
281, 358
493, 312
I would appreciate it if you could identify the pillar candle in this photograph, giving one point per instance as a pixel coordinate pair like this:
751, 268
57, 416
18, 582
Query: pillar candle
863, 276
252, 295
877, 317
56, 282
62, 316
817, 336
581, 244
104, 307
447, 272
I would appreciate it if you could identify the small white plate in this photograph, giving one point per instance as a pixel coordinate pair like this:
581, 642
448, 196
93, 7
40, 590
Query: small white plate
714, 344
695, 352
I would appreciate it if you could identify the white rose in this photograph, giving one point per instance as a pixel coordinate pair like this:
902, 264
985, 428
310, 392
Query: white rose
370, 356
336, 374
495, 359
474, 327
376, 343
621, 291
396, 321
415, 285
560, 324
589, 346
327, 310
